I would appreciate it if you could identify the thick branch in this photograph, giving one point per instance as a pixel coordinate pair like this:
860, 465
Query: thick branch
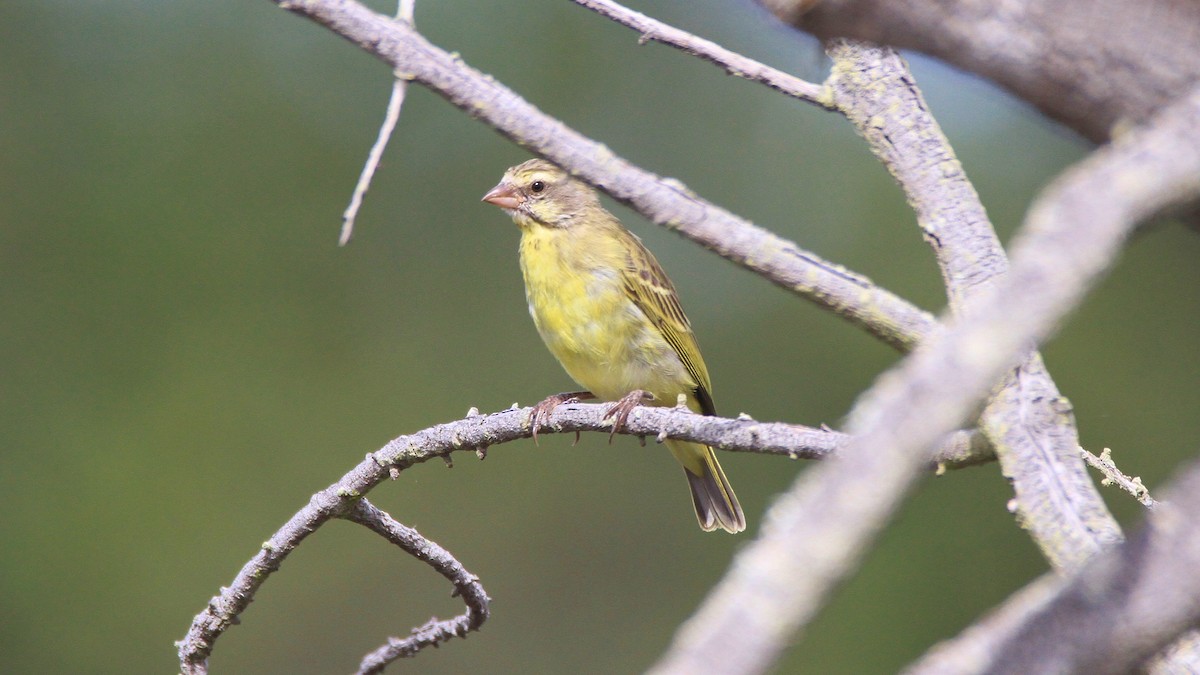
1027, 421
1070, 237
1139, 174
1090, 65
1125, 605
666, 202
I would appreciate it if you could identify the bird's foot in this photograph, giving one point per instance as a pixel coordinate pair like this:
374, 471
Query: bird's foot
541, 412
619, 412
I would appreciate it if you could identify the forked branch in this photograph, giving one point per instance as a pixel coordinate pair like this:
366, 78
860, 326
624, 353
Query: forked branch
476, 433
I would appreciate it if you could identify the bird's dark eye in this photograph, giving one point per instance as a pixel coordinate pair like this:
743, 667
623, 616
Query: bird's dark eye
537, 185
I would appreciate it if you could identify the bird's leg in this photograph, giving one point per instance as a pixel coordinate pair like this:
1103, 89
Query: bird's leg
619, 412
541, 411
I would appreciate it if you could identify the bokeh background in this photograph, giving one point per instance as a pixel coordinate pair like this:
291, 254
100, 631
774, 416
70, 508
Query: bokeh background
187, 355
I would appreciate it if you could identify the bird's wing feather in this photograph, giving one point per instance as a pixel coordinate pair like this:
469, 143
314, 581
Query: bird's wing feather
650, 289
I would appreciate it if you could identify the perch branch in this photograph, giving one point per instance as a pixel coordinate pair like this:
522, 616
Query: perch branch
478, 432
1070, 237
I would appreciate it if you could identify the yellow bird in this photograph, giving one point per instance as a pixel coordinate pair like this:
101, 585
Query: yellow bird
611, 317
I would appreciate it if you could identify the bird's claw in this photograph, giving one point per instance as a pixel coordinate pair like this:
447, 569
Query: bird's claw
542, 411
619, 411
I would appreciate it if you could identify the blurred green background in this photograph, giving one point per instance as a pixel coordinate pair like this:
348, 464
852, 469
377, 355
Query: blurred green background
187, 355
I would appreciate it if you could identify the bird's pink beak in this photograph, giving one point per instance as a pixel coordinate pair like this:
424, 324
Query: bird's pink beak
504, 196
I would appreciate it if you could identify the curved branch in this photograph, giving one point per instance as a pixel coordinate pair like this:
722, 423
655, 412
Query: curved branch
666, 202
475, 433
340, 500
466, 585
821, 526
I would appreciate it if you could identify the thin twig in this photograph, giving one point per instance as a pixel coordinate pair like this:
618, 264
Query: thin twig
1114, 476
466, 586
404, 12
732, 62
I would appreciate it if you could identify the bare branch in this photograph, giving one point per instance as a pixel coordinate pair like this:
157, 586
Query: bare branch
399, 88
1094, 66
1122, 607
979, 644
341, 500
1113, 476
479, 432
404, 12
466, 585
666, 202
1027, 421
732, 62
1070, 237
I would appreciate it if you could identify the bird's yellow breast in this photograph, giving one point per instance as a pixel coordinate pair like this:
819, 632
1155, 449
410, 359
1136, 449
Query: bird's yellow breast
576, 295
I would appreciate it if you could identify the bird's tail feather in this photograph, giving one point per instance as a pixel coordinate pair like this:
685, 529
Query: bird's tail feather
716, 505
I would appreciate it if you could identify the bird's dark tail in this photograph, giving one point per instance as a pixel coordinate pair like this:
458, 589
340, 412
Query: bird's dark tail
716, 505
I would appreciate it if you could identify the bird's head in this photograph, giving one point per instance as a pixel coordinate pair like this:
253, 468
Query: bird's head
538, 192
